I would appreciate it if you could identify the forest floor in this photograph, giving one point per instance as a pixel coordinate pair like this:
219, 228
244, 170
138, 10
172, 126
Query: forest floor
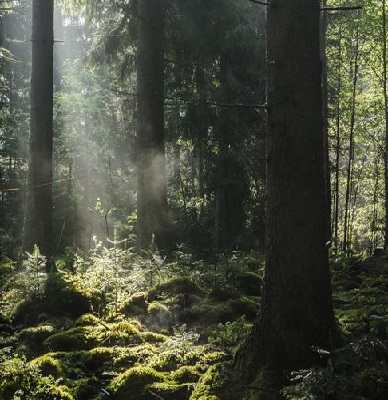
120, 326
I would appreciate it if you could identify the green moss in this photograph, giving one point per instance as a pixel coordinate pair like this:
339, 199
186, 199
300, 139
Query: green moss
100, 358
171, 391
60, 299
48, 365
174, 287
352, 321
132, 384
187, 374
85, 388
48, 389
136, 305
86, 320
73, 339
212, 312
210, 382
153, 337
64, 299
130, 355
34, 337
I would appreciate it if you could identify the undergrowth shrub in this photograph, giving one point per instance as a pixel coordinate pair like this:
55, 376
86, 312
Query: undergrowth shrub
20, 380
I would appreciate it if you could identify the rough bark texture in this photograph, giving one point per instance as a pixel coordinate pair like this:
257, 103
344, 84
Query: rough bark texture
39, 202
296, 313
151, 194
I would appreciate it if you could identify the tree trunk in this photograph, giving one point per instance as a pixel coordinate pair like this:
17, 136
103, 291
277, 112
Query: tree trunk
350, 164
337, 149
39, 203
297, 312
323, 29
384, 16
151, 183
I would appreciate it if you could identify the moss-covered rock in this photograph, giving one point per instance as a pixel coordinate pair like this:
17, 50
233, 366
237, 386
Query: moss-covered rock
187, 374
128, 356
48, 365
70, 340
60, 299
133, 384
86, 388
171, 391
209, 385
32, 338
175, 286
136, 305
87, 320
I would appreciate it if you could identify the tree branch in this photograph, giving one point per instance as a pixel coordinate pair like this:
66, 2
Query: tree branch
340, 8
263, 3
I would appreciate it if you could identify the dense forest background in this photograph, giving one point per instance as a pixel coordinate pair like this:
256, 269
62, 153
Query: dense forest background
148, 282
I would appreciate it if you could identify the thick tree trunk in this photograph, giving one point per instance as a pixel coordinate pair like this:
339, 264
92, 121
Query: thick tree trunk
39, 203
384, 25
296, 313
151, 184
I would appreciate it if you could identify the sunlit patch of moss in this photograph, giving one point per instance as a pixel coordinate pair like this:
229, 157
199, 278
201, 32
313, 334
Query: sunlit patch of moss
352, 321
48, 365
187, 374
129, 356
87, 319
132, 384
210, 382
152, 337
49, 389
170, 391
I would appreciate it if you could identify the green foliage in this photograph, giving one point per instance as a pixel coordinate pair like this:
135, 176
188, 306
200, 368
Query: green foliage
34, 274
48, 365
359, 370
230, 334
33, 337
22, 380
209, 384
132, 384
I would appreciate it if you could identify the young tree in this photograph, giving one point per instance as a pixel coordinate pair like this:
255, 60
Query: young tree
297, 312
151, 180
38, 229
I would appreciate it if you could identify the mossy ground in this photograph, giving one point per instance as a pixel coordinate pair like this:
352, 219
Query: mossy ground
175, 339
157, 343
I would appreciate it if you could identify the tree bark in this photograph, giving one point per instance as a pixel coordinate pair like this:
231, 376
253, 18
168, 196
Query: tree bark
297, 312
346, 245
39, 202
151, 183
385, 92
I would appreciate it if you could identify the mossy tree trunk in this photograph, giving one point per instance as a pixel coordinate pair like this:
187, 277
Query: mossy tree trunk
151, 184
296, 313
38, 229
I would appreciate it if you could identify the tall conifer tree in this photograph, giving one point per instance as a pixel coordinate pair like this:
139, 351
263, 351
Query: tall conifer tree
39, 202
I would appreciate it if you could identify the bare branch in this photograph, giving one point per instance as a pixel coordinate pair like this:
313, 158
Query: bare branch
341, 8
263, 3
